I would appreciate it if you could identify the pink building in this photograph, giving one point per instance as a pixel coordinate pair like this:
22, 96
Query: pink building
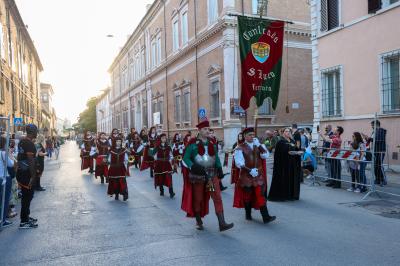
356, 52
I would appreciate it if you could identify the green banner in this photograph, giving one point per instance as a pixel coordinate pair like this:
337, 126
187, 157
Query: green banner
261, 47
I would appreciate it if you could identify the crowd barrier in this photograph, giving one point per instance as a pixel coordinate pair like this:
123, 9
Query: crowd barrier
343, 166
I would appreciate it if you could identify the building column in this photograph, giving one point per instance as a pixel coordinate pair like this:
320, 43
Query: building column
231, 125
228, 5
315, 68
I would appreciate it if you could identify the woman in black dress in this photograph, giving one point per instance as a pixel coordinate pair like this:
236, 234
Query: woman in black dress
287, 170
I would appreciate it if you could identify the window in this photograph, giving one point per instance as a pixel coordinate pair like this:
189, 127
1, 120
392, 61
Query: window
329, 14
391, 82
160, 108
255, 7
177, 107
175, 35
186, 106
212, 11
158, 50
153, 54
131, 71
125, 119
2, 92
214, 99
132, 111
266, 107
2, 44
375, 5
331, 92
184, 21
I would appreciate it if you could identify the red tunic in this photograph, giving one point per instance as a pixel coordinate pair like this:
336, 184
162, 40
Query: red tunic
117, 173
87, 160
162, 166
187, 196
148, 159
133, 151
101, 164
257, 185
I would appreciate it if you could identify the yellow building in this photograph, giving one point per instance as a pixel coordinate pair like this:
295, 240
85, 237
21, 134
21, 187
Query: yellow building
20, 68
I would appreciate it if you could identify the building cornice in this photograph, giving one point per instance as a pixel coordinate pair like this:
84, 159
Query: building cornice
21, 26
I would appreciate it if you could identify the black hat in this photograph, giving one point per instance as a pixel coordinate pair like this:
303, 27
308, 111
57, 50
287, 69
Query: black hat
248, 130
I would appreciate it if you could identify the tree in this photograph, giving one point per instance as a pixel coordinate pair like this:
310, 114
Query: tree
87, 118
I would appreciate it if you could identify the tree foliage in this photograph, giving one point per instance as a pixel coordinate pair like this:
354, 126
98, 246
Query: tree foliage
87, 118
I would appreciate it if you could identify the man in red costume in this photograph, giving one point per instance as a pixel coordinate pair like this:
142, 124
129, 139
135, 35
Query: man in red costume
101, 160
117, 172
148, 159
162, 166
250, 187
88, 150
177, 151
201, 158
136, 149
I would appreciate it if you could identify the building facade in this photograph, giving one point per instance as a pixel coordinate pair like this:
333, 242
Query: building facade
103, 112
20, 68
184, 56
356, 52
47, 112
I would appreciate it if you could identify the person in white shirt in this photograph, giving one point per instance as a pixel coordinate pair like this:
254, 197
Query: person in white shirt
250, 188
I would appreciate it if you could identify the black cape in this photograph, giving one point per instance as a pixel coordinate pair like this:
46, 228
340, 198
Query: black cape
285, 183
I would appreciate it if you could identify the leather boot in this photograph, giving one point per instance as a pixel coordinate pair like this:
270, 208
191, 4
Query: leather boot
199, 222
125, 196
151, 173
102, 179
161, 191
222, 187
247, 207
117, 196
223, 226
171, 193
265, 215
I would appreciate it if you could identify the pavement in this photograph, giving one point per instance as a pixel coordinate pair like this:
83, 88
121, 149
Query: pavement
80, 225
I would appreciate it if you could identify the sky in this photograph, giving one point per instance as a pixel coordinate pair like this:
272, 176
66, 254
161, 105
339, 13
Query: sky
71, 39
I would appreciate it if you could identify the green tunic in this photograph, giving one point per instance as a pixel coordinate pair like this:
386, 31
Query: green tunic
191, 152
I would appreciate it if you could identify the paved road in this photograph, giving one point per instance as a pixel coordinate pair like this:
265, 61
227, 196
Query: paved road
80, 225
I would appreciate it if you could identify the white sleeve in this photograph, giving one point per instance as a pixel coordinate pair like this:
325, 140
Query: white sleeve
171, 156
126, 161
264, 155
10, 163
82, 146
181, 147
239, 159
92, 151
140, 148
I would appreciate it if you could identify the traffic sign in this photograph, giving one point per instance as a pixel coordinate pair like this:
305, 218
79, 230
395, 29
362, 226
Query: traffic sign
202, 113
18, 121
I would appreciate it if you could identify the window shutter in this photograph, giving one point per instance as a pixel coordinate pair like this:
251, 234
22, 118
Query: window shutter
324, 15
374, 5
333, 14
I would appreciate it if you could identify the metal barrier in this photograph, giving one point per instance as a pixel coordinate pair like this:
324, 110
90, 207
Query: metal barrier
360, 174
